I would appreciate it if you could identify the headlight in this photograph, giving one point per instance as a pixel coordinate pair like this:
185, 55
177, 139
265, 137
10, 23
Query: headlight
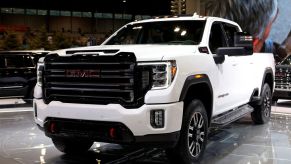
163, 73
39, 70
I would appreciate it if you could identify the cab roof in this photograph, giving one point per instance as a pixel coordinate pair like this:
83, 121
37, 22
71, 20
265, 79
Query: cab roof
195, 17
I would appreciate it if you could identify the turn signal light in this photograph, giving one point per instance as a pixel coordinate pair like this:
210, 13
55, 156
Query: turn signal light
173, 70
199, 76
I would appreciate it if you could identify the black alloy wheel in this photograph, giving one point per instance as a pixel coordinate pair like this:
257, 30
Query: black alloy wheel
196, 134
267, 104
262, 112
193, 135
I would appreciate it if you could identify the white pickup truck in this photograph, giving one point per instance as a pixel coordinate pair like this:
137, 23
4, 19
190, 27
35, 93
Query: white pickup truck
159, 82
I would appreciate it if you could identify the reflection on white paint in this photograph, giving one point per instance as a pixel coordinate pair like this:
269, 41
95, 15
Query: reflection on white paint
43, 151
41, 158
34, 147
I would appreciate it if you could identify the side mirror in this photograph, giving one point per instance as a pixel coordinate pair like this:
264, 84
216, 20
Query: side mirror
242, 39
232, 51
243, 45
219, 57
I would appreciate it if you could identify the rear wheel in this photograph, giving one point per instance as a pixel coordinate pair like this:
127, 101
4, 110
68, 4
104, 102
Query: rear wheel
262, 113
71, 146
193, 138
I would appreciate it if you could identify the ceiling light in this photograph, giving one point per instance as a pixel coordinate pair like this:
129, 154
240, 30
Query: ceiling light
183, 33
177, 29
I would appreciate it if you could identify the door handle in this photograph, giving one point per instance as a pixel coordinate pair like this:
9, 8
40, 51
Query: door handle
234, 64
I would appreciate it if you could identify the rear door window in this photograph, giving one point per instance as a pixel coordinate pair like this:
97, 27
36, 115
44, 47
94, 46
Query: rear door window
18, 61
13, 61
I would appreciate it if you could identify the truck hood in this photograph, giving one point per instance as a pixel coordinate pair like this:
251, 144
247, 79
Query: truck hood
142, 52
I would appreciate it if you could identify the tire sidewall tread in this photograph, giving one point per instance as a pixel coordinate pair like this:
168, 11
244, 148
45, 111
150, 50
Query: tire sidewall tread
181, 150
258, 113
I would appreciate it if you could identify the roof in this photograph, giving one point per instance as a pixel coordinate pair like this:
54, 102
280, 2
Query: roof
190, 18
171, 18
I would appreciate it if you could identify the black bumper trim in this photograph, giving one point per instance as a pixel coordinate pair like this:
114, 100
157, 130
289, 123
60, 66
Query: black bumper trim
98, 131
159, 140
282, 94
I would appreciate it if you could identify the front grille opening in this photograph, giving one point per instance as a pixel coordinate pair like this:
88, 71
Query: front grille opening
95, 79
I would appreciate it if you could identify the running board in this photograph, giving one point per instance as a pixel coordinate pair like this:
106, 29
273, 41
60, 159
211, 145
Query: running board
232, 115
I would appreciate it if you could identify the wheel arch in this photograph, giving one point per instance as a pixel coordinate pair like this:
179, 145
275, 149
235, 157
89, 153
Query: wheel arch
198, 87
268, 78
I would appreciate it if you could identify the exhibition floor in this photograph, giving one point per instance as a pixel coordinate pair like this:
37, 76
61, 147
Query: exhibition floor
239, 143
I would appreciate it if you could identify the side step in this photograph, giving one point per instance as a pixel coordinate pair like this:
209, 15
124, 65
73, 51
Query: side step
232, 115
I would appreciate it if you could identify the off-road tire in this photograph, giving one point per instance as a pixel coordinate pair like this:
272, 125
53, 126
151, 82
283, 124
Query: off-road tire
193, 136
262, 112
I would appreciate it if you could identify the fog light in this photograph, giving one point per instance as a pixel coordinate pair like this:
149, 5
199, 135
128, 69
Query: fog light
157, 118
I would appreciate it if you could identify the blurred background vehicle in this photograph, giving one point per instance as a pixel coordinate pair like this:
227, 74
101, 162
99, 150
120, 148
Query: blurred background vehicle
283, 70
18, 73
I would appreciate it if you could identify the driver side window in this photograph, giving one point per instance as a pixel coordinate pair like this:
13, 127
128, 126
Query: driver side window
217, 38
230, 30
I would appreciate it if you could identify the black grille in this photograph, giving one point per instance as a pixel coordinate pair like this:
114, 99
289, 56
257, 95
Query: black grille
93, 79
283, 77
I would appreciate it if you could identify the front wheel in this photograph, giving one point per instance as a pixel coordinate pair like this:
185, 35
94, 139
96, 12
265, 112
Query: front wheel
262, 113
71, 146
193, 138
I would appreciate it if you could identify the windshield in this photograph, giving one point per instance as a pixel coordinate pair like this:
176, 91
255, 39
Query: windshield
163, 32
287, 61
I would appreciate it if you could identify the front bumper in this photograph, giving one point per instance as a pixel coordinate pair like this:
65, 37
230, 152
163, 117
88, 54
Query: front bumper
137, 121
282, 94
